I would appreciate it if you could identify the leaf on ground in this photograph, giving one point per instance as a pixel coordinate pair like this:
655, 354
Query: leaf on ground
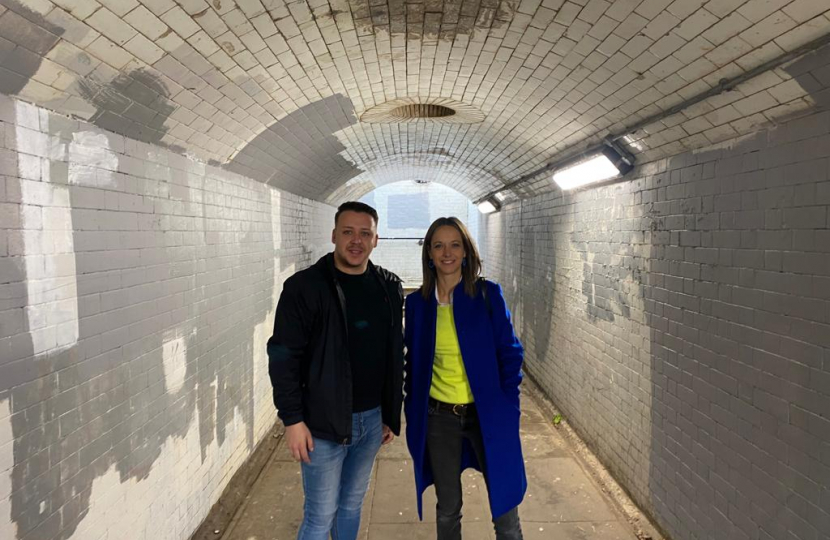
557, 419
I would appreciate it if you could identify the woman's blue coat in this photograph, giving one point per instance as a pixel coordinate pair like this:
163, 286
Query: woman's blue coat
493, 360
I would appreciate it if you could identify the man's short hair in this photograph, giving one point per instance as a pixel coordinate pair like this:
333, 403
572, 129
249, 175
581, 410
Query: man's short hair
356, 206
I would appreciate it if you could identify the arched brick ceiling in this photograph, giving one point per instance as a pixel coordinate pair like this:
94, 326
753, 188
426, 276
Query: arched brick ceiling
275, 90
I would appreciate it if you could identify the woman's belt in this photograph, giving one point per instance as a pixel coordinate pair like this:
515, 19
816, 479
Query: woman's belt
458, 409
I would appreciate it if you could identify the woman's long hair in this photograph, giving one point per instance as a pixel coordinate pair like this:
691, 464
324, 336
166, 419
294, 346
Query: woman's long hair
469, 271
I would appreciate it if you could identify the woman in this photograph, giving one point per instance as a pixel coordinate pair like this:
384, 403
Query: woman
463, 369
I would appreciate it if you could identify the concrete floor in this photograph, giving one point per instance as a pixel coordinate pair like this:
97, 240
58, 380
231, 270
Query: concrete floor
562, 501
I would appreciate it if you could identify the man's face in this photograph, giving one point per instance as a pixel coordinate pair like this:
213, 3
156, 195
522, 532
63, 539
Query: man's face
354, 237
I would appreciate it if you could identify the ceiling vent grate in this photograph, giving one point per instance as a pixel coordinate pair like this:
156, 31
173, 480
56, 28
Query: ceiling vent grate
438, 110
421, 110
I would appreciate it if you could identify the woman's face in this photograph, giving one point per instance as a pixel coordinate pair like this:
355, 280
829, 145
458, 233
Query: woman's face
447, 250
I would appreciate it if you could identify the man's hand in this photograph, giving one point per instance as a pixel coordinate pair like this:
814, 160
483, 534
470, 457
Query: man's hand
300, 441
387, 435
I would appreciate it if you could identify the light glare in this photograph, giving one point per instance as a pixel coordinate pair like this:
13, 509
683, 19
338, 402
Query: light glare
596, 169
486, 207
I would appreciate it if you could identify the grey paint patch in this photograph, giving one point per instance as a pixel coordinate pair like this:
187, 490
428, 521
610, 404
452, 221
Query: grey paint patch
25, 37
601, 277
539, 258
300, 153
134, 104
812, 72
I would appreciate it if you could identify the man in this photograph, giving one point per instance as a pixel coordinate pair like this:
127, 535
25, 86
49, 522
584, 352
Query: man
336, 365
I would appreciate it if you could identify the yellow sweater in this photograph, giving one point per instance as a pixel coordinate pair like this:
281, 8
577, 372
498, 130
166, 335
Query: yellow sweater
449, 378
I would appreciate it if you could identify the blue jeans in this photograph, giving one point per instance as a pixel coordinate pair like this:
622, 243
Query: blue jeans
337, 478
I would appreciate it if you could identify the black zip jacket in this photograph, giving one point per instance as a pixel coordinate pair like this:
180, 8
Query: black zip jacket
308, 355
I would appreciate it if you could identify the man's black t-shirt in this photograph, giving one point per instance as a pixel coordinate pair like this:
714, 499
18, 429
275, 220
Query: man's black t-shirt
368, 318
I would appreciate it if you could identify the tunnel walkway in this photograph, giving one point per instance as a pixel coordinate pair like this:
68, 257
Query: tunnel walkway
562, 501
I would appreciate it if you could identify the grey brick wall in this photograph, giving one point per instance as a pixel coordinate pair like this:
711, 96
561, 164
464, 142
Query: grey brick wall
137, 290
681, 321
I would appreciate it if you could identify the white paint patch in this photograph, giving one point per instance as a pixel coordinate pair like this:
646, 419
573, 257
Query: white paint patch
49, 253
174, 353
91, 161
263, 418
276, 228
175, 496
7, 528
264, 414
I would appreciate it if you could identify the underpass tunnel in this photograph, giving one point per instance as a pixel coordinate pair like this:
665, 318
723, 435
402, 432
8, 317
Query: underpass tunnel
647, 180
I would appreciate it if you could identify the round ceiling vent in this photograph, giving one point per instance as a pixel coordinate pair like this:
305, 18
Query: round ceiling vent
439, 110
420, 110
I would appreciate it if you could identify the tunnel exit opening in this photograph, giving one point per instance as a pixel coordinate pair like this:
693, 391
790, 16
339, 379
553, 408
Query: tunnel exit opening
406, 210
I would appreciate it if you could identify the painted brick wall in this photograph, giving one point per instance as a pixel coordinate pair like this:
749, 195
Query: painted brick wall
681, 321
137, 290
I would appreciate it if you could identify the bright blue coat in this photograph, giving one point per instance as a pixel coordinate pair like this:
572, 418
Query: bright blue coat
493, 360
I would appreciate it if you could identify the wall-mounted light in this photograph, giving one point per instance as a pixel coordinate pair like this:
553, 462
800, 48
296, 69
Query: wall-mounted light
488, 206
605, 163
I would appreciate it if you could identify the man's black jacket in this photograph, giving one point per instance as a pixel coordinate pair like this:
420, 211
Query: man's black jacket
308, 355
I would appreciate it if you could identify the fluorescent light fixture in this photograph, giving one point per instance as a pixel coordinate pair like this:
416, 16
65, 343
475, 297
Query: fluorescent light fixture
501, 196
605, 164
487, 206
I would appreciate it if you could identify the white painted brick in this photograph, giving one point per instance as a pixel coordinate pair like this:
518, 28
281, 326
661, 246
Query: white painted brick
804, 10
119, 7
106, 51
111, 25
757, 10
159, 7
144, 49
630, 26
729, 51
726, 28
75, 31
696, 24
661, 25
812, 29
180, 22
723, 8
81, 9
768, 29
146, 22
787, 91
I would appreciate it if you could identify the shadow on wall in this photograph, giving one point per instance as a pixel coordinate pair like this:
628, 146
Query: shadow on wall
134, 373
300, 153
